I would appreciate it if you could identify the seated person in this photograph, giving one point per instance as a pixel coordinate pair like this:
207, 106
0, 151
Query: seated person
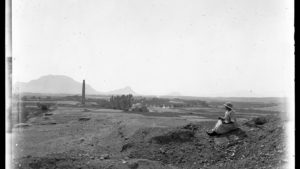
225, 124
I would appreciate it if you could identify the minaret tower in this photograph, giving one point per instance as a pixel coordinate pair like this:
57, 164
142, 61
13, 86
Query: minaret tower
83, 93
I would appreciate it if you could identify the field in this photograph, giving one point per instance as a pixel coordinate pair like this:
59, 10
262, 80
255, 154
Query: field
70, 135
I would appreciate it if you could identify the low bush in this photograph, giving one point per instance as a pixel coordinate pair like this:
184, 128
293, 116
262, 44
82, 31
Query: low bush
43, 106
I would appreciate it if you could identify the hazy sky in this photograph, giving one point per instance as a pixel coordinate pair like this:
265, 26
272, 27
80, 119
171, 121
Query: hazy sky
195, 47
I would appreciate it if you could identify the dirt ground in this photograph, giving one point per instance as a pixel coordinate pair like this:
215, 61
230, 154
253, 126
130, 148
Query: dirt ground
72, 137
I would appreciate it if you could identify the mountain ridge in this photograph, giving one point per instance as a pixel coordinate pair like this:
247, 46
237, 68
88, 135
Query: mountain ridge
124, 90
61, 84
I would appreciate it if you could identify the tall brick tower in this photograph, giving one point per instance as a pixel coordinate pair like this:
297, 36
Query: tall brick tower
83, 93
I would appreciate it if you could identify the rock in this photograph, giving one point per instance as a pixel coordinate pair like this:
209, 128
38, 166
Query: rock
46, 118
133, 165
104, 156
22, 125
221, 141
48, 114
82, 140
162, 150
237, 134
84, 119
234, 137
256, 121
280, 151
48, 122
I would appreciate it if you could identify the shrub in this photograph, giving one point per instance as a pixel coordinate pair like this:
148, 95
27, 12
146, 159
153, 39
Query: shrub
43, 106
260, 120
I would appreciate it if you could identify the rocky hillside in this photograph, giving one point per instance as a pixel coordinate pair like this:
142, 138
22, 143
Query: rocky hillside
259, 143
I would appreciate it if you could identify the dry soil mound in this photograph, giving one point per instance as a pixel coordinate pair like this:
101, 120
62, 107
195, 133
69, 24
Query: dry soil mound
189, 146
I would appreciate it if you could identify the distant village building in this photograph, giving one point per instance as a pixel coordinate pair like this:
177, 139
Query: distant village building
139, 107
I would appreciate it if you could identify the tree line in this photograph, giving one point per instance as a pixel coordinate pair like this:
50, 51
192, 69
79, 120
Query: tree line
123, 102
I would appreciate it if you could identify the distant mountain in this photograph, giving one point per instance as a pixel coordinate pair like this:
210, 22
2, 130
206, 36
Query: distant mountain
125, 90
60, 84
54, 84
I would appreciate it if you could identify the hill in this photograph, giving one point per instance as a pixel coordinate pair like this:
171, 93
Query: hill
125, 90
60, 84
54, 84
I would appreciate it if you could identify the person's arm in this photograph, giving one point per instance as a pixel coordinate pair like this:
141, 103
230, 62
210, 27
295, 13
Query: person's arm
222, 118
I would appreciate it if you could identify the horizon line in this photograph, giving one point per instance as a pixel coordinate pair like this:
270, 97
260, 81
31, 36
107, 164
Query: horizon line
152, 95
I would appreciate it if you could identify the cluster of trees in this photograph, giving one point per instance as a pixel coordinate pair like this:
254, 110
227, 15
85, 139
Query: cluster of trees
191, 103
73, 98
123, 102
154, 101
25, 98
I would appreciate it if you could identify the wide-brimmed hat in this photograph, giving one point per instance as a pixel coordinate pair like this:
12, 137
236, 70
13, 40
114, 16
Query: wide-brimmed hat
229, 105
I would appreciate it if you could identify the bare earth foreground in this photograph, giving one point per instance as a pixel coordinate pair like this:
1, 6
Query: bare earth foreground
72, 137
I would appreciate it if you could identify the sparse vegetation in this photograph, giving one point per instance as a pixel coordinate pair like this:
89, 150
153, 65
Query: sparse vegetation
164, 136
